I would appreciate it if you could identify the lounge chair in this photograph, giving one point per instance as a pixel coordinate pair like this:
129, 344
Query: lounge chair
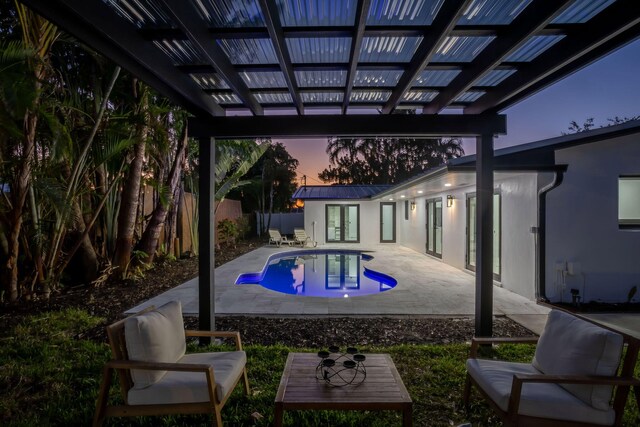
301, 237
158, 378
275, 238
569, 382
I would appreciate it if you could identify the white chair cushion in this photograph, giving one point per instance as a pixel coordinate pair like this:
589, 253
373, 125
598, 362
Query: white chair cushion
191, 387
572, 346
155, 336
537, 400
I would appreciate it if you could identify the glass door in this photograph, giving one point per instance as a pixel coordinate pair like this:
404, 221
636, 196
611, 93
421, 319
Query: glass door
434, 227
342, 223
471, 234
387, 222
351, 227
334, 218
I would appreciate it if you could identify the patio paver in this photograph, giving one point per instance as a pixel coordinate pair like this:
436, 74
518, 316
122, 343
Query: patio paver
426, 286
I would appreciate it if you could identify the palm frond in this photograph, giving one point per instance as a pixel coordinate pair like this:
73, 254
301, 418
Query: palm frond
225, 186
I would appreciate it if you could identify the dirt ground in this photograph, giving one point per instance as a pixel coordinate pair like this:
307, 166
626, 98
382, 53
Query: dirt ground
111, 299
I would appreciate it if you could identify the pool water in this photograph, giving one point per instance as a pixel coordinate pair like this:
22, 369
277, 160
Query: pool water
320, 273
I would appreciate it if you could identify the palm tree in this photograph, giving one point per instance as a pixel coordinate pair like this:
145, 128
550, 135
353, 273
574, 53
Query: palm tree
385, 160
38, 35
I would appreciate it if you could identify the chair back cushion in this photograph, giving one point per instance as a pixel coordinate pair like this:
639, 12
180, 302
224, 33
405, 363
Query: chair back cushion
572, 346
155, 336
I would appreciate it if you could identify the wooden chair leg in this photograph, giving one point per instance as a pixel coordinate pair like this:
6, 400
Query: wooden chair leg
216, 417
245, 381
103, 397
467, 392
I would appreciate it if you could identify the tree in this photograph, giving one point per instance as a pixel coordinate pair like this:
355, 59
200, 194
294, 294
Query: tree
271, 183
589, 124
38, 35
385, 160
149, 240
130, 197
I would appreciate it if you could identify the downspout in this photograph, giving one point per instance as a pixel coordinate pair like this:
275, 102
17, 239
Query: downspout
541, 291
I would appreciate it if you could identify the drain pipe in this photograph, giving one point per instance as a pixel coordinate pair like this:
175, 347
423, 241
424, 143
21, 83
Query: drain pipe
540, 235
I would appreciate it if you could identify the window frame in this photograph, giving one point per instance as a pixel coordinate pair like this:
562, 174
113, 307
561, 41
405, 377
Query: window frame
343, 209
627, 224
393, 204
467, 264
434, 200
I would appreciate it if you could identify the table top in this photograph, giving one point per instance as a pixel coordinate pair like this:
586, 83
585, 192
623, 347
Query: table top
382, 388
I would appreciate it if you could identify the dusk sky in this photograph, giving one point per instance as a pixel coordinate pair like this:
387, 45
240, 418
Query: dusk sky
605, 89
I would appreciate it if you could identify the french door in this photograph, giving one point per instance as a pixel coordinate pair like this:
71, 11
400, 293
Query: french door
343, 223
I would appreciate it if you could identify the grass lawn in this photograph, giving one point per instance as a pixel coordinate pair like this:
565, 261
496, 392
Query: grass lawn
51, 377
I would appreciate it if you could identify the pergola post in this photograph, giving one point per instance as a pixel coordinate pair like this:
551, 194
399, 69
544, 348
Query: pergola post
206, 236
484, 235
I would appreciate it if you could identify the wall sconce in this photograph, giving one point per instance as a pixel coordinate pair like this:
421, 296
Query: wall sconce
449, 200
413, 206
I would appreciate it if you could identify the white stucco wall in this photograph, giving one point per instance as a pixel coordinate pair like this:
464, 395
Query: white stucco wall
582, 223
314, 211
519, 214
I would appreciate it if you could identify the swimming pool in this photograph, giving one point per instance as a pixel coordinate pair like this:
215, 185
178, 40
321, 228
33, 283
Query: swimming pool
320, 273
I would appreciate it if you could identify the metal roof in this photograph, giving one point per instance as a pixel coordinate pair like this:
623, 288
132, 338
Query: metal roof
478, 55
338, 192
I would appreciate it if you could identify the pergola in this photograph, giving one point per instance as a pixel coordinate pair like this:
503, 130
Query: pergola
218, 58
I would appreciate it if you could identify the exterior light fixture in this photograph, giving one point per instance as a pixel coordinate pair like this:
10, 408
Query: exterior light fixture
391, 199
403, 196
413, 206
420, 191
449, 200
448, 184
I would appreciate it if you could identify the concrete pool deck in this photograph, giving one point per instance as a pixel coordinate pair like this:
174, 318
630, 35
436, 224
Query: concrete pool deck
426, 287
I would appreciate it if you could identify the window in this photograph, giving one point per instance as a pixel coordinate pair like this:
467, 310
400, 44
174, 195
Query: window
629, 201
434, 227
343, 223
471, 234
406, 210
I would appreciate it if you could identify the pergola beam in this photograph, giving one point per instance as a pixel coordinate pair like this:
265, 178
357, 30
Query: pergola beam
274, 27
98, 26
335, 66
348, 125
187, 18
171, 33
442, 25
354, 54
568, 55
528, 23
595, 54
206, 236
484, 236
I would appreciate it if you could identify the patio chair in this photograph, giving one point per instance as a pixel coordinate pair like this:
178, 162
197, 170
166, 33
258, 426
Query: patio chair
569, 382
158, 378
300, 237
275, 238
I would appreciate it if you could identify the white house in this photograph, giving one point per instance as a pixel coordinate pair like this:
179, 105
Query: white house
566, 215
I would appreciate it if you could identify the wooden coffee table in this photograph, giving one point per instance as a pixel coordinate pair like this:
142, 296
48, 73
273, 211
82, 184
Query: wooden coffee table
383, 388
